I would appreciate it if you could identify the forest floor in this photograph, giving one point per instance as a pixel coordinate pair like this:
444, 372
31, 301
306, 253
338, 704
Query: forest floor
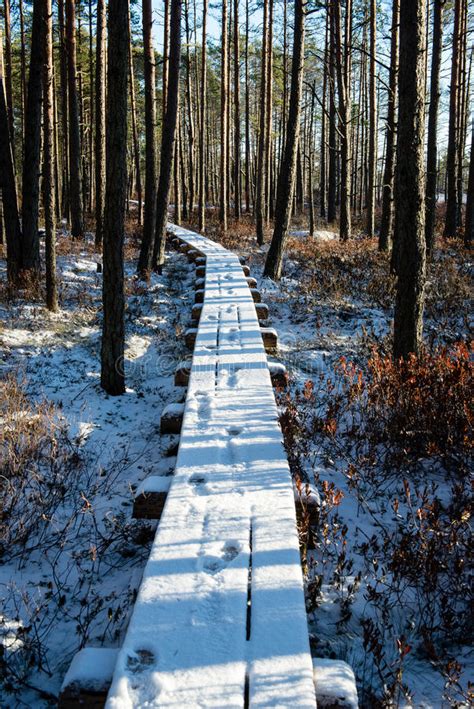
71, 557
387, 584
390, 453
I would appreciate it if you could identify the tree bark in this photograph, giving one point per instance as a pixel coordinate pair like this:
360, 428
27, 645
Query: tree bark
30, 252
286, 178
133, 111
432, 152
64, 109
451, 223
223, 120
75, 177
100, 121
150, 141
410, 193
469, 222
8, 70
261, 163
202, 128
113, 328
237, 182
345, 114
8, 186
386, 226
48, 160
168, 137
372, 123
332, 167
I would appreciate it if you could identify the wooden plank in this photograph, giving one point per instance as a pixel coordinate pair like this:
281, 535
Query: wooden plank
220, 617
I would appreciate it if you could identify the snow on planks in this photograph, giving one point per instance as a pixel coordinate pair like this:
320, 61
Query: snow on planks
220, 618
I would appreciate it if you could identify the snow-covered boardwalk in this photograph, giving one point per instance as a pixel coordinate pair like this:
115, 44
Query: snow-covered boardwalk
220, 617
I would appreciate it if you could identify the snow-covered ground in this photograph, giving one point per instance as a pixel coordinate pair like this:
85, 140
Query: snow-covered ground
75, 581
314, 333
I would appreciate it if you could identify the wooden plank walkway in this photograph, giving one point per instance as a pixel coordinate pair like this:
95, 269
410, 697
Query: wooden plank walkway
220, 617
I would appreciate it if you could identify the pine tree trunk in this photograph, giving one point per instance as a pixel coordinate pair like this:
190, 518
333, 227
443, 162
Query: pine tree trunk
48, 160
168, 136
268, 116
432, 153
23, 74
191, 124
100, 121
30, 253
8, 70
224, 126
345, 111
386, 226
202, 131
133, 111
113, 328
176, 190
410, 193
261, 163
372, 123
451, 223
322, 173
166, 41
150, 141
332, 171
287, 176
64, 110
8, 186
75, 178
237, 182
469, 222
247, 111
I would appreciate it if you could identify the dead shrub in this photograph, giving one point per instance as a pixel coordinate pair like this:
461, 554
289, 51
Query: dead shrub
37, 460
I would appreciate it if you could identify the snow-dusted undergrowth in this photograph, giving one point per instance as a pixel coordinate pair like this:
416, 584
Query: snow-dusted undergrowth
71, 555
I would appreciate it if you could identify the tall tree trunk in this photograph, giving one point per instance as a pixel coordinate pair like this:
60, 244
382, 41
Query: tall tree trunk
461, 110
432, 153
372, 122
166, 42
113, 328
224, 126
286, 178
191, 124
7, 185
451, 223
202, 131
322, 173
469, 223
332, 171
268, 115
64, 109
150, 141
48, 160
8, 70
385, 236
75, 178
100, 121
168, 136
23, 73
410, 193
237, 182
345, 114
176, 188
261, 163
133, 110
247, 111
30, 253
